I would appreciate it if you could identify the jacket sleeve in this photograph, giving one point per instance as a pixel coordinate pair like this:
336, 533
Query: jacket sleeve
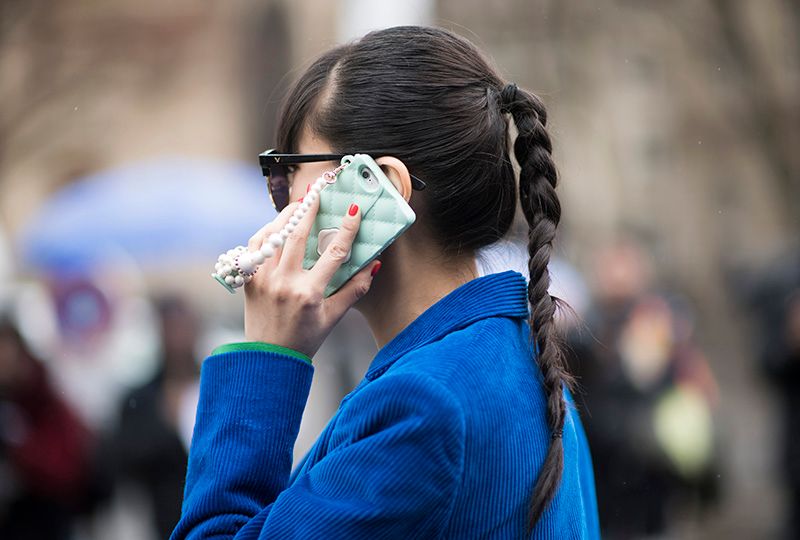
392, 469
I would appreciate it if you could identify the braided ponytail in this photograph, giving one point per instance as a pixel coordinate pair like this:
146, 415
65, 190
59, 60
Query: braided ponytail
542, 211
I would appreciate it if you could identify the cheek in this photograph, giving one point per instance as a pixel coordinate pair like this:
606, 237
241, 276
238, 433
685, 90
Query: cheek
303, 179
300, 188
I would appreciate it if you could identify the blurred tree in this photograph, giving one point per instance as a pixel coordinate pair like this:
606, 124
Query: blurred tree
772, 111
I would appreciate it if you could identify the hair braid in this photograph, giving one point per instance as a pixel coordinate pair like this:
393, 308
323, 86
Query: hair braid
542, 211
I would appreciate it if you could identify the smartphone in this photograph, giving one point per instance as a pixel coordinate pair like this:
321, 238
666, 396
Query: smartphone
385, 215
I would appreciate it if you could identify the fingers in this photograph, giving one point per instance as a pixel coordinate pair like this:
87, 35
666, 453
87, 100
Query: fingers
272, 227
353, 290
261, 237
295, 246
338, 250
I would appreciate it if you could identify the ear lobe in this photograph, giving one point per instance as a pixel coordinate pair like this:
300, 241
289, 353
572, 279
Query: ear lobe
397, 172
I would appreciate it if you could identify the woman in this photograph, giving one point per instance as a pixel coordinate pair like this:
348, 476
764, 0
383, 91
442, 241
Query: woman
458, 429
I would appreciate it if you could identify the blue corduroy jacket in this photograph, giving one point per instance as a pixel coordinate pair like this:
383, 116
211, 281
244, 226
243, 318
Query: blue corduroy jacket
443, 438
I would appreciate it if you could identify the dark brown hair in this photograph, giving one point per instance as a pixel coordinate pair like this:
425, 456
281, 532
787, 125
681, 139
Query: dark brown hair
431, 99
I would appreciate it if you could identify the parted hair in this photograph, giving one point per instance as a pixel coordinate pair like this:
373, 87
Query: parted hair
430, 98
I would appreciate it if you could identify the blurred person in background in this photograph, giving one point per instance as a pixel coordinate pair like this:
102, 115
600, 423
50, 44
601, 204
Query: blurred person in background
149, 446
45, 473
773, 296
648, 394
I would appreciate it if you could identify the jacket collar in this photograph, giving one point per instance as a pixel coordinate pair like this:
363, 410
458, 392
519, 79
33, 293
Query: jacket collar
503, 294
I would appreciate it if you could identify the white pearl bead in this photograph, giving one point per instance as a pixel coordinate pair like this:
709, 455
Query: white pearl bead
248, 279
294, 220
311, 197
239, 280
267, 250
257, 257
316, 188
304, 206
229, 280
276, 240
284, 234
289, 227
246, 265
226, 269
230, 253
218, 267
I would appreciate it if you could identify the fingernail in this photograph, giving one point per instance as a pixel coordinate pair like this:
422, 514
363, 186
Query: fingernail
375, 269
300, 199
308, 188
353, 209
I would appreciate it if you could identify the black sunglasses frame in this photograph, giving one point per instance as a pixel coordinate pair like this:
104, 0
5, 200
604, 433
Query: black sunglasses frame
270, 161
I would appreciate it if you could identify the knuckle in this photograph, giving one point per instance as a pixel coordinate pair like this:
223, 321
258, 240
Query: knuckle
350, 225
305, 297
280, 290
362, 287
297, 235
254, 243
338, 251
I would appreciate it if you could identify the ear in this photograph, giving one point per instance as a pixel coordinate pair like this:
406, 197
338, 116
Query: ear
397, 172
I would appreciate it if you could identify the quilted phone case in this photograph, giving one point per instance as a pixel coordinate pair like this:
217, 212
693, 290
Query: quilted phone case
385, 215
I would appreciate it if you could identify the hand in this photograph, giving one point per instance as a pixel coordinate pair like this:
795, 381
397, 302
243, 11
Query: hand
284, 303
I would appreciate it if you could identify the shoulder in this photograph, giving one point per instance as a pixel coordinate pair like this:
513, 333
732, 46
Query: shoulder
441, 382
489, 368
488, 348
400, 395
402, 413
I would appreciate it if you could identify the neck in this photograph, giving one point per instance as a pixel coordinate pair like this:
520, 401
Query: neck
407, 285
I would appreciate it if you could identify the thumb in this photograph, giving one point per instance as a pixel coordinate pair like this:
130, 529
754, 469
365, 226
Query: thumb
353, 290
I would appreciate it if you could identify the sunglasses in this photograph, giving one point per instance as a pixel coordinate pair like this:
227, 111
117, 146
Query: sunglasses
276, 168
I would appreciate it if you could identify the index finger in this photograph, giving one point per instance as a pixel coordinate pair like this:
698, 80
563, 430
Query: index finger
338, 250
272, 227
302, 220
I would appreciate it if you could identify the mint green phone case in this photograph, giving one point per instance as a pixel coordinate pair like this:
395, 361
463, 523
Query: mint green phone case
385, 215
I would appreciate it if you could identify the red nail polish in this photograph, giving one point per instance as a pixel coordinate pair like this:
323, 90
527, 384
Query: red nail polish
353, 209
308, 188
300, 199
375, 269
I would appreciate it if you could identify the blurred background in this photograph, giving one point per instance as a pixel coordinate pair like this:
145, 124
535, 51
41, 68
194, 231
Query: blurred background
128, 140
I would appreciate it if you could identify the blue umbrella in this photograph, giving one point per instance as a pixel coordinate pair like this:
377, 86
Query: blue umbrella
163, 213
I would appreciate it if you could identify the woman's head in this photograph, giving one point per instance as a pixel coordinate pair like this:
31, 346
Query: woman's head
430, 99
